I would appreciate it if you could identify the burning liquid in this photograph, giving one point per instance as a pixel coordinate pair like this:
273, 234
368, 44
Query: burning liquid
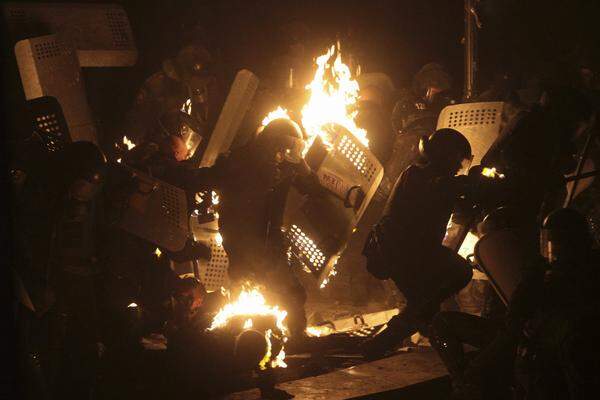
333, 98
251, 303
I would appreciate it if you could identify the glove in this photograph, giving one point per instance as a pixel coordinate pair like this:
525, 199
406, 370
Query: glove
191, 251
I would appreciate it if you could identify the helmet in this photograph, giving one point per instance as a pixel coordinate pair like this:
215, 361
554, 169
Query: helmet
432, 75
250, 348
447, 147
497, 219
565, 233
193, 60
284, 135
180, 124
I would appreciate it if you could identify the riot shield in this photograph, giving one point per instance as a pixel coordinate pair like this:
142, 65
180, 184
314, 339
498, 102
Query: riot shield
236, 105
213, 273
48, 123
500, 256
154, 210
48, 66
479, 122
318, 227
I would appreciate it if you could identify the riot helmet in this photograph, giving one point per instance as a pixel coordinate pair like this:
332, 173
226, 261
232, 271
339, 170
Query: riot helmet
447, 149
184, 127
431, 79
284, 138
250, 348
565, 236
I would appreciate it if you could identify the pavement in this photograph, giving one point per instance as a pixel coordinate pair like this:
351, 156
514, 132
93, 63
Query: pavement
418, 371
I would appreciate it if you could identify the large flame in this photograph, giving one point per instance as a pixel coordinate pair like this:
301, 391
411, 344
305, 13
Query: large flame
333, 98
251, 303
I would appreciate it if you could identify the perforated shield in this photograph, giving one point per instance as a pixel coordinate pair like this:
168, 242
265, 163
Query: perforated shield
48, 67
100, 33
213, 273
48, 123
479, 122
319, 229
156, 212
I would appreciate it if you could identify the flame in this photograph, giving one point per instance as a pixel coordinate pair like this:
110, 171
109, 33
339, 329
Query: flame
157, 252
278, 113
214, 197
219, 239
491, 173
251, 302
318, 331
333, 98
130, 145
186, 107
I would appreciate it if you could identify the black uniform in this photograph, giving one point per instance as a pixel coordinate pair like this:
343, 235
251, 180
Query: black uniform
550, 315
413, 227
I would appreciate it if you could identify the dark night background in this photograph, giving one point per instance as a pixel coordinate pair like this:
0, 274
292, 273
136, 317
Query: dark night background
395, 36
521, 37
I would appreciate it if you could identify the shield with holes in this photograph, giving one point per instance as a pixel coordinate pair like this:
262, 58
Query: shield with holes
319, 226
479, 122
48, 123
48, 66
212, 273
154, 210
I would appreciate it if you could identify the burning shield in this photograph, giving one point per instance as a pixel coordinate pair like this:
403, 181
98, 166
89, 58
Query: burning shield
319, 226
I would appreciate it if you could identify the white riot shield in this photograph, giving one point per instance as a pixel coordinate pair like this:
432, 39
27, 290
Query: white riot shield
479, 122
213, 273
318, 229
49, 67
236, 105
99, 33
156, 212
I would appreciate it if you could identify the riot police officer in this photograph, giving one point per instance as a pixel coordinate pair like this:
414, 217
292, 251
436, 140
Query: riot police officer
59, 215
253, 182
549, 315
414, 115
406, 245
186, 82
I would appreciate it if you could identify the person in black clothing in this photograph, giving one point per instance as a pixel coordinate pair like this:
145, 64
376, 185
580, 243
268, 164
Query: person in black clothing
549, 316
59, 264
410, 237
534, 153
415, 114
